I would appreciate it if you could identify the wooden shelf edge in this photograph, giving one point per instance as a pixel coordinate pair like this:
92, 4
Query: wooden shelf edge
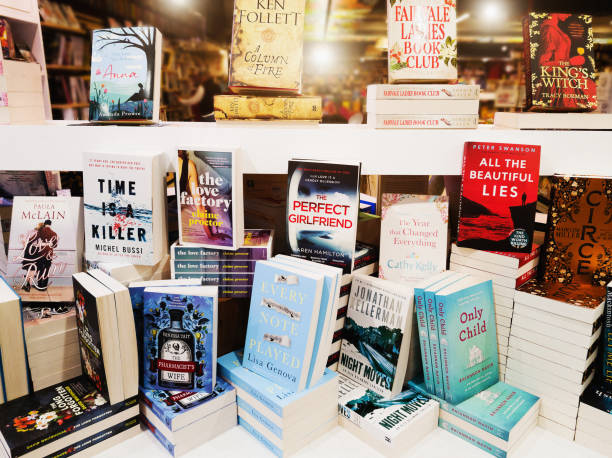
62, 28
68, 68
62, 106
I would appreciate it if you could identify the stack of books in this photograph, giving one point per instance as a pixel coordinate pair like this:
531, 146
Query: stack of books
418, 106
595, 419
553, 347
508, 271
129, 273
391, 426
281, 419
52, 344
183, 420
231, 271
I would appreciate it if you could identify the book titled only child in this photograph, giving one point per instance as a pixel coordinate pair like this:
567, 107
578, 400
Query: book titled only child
125, 75
209, 196
422, 40
499, 193
560, 72
124, 199
180, 338
377, 334
413, 236
322, 211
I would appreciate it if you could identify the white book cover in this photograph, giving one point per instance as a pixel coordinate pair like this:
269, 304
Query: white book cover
120, 193
422, 121
45, 247
423, 91
422, 107
413, 238
377, 334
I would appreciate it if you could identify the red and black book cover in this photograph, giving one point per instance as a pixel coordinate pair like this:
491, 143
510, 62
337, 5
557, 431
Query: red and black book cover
499, 192
559, 62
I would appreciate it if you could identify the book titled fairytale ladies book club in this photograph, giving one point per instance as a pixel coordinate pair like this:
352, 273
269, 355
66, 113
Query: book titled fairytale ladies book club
499, 193
209, 196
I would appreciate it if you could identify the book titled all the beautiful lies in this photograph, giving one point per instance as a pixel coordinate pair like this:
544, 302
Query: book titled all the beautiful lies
377, 334
322, 211
283, 319
413, 236
180, 338
468, 338
499, 193
125, 75
560, 73
422, 40
209, 196
124, 199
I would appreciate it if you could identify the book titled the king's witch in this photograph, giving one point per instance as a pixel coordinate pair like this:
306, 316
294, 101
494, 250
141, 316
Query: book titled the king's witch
322, 211
209, 196
125, 75
560, 72
499, 192
124, 199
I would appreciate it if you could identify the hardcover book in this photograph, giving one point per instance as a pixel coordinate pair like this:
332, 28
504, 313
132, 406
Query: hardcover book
209, 196
253, 107
283, 320
560, 72
377, 334
45, 247
413, 237
257, 246
125, 81
180, 338
422, 40
267, 41
468, 338
576, 248
499, 192
124, 199
322, 211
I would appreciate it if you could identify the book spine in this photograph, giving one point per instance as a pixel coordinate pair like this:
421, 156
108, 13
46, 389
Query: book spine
227, 279
520, 281
157, 411
426, 92
468, 437
606, 337
419, 297
260, 437
478, 422
286, 108
368, 258
441, 308
158, 435
243, 385
434, 347
534, 254
261, 418
214, 266
180, 253
527, 63
438, 121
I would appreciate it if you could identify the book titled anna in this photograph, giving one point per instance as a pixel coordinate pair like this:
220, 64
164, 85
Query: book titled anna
210, 199
499, 193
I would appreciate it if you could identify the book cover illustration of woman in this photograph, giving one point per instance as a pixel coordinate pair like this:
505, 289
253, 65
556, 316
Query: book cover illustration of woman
37, 256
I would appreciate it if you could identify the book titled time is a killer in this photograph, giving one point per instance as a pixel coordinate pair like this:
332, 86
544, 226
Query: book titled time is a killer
499, 192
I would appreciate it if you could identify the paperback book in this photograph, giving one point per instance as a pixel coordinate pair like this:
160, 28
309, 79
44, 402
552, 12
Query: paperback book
560, 72
125, 81
209, 196
423, 91
413, 237
322, 211
282, 326
45, 247
124, 199
180, 338
499, 193
605, 374
377, 334
257, 246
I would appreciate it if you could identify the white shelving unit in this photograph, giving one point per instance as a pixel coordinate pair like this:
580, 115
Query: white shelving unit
268, 146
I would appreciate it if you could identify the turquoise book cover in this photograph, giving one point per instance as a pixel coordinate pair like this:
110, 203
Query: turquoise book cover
468, 338
476, 441
282, 325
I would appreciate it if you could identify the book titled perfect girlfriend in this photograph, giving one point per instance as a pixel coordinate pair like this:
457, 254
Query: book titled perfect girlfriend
499, 192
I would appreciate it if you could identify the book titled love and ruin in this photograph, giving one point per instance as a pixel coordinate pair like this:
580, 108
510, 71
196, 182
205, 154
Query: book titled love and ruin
209, 196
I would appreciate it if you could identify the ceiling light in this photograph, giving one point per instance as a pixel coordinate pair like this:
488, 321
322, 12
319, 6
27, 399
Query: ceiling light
493, 12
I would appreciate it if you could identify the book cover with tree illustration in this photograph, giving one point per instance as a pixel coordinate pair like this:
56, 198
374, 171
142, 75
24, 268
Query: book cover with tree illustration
125, 74
422, 40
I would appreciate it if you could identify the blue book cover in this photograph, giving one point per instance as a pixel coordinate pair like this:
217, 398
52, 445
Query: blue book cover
157, 434
468, 338
476, 441
180, 326
171, 406
260, 437
282, 326
278, 399
261, 418
125, 74
322, 211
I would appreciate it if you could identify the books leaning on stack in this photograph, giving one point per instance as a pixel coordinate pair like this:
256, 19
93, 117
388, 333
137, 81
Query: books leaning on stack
418, 106
231, 271
282, 420
52, 344
183, 420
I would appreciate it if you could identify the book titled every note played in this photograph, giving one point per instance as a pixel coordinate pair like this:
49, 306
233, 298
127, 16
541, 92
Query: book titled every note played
499, 193
125, 75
